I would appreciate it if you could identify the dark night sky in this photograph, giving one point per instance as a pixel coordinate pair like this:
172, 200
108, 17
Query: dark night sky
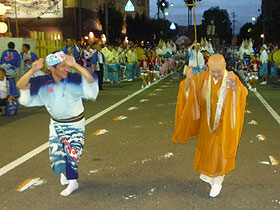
244, 10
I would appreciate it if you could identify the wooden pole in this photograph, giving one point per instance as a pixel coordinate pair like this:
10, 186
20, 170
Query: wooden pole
194, 19
9, 26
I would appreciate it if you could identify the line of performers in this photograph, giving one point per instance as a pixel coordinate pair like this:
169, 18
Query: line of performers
252, 65
159, 62
126, 62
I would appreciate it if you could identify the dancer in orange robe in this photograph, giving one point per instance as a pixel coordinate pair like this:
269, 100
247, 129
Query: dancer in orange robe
211, 106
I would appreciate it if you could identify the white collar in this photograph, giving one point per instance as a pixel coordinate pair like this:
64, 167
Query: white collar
215, 81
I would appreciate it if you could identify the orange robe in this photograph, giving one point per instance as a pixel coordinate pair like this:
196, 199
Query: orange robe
215, 152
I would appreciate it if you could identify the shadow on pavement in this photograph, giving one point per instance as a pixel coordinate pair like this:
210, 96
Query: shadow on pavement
22, 113
186, 188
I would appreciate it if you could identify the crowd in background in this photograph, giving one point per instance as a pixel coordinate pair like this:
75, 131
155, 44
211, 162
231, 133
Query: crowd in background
111, 63
128, 61
254, 65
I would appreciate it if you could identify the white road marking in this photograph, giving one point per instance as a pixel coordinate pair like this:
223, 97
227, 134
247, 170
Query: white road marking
268, 107
5, 169
23, 158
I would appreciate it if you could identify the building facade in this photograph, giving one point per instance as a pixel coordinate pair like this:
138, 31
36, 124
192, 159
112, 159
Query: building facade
80, 17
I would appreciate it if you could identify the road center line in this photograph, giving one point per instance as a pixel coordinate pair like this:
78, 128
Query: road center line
44, 146
268, 107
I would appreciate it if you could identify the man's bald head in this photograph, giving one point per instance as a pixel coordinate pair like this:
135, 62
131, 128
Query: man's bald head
216, 59
217, 66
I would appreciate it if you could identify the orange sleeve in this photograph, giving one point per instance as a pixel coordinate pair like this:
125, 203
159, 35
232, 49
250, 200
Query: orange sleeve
187, 116
233, 119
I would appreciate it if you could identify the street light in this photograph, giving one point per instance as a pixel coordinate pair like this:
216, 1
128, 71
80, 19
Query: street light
166, 13
262, 36
253, 19
171, 5
172, 26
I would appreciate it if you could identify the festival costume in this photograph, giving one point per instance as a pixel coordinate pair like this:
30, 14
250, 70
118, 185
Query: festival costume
196, 61
86, 58
155, 67
245, 50
264, 60
274, 65
7, 88
72, 51
10, 61
253, 73
131, 57
196, 116
98, 59
145, 70
105, 52
28, 59
64, 103
113, 74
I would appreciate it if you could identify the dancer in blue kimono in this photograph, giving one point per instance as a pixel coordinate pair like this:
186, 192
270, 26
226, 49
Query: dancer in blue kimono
61, 92
10, 61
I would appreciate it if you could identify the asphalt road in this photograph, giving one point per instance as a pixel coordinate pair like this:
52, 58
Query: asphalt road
134, 165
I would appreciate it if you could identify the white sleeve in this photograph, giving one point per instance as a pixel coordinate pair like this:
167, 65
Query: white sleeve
201, 61
90, 90
27, 100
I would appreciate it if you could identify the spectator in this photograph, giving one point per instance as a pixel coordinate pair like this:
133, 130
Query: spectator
7, 89
98, 61
28, 57
70, 49
10, 61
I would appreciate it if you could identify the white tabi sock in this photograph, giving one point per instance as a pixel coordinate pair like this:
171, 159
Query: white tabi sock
63, 179
216, 187
73, 185
205, 178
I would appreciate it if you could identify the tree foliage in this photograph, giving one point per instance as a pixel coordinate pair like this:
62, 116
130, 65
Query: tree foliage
115, 23
250, 30
222, 22
272, 26
246, 31
141, 28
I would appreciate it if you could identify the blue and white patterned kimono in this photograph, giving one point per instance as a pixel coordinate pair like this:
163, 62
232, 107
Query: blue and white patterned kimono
63, 101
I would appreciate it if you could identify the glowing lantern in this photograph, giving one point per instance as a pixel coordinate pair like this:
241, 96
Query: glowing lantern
103, 38
91, 35
2, 9
3, 27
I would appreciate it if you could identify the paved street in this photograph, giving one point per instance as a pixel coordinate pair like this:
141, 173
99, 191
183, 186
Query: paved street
134, 165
